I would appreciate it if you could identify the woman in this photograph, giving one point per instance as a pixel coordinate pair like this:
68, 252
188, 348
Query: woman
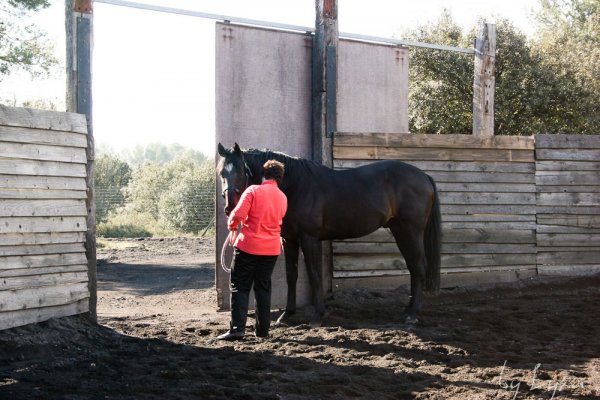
260, 210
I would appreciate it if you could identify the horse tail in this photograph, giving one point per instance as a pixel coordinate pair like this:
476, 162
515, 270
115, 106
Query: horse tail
433, 242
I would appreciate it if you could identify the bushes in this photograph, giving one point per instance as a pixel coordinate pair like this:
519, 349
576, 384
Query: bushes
111, 175
121, 225
161, 199
186, 206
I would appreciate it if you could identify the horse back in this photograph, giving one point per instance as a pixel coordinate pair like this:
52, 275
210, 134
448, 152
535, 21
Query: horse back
355, 202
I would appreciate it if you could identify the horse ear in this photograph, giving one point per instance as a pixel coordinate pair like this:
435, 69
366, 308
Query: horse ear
221, 150
237, 150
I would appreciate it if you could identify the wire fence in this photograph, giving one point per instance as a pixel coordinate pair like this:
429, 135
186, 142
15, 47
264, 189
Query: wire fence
183, 209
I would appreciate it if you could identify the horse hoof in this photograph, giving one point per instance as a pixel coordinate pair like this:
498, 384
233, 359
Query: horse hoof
411, 320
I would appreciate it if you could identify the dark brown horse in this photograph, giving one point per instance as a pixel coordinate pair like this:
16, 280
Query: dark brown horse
324, 204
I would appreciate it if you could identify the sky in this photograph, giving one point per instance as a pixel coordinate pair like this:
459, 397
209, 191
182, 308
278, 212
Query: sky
153, 73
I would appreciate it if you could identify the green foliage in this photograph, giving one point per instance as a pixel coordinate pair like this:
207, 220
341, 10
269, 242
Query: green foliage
179, 193
533, 93
33, 5
111, 175
111, 171
160, 153
184, 206
22, 45
532, 96
127, 225
41, 104
569, 41
441, 82
154, 198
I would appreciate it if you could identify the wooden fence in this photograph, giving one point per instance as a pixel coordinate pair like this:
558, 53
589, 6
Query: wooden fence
505, 214
512, 207
43, 267
568, 198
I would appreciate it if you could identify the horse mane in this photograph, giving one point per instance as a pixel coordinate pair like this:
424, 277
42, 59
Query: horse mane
295, 167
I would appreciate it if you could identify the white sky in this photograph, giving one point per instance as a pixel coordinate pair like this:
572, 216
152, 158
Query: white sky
153, 73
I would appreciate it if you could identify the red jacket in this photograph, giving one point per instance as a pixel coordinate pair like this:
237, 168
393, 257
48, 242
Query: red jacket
260, 210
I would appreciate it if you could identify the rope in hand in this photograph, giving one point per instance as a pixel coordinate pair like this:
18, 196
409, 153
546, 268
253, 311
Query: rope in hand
228, 242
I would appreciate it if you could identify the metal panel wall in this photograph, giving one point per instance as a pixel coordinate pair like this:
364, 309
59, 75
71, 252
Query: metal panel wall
263, 94
372, 88
263, 85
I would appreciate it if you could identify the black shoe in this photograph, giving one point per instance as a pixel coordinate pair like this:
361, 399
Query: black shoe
231, 336
261, 335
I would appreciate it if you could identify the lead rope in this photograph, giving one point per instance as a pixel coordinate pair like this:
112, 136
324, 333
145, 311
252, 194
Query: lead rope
228, 242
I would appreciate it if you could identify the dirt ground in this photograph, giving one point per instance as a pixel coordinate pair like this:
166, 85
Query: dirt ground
157, 327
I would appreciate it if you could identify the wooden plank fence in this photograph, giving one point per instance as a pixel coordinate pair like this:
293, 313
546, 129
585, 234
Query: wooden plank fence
511, 207
43, 267
487, 194
568, 198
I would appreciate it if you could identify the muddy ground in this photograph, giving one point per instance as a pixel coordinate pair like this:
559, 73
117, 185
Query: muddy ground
155, 339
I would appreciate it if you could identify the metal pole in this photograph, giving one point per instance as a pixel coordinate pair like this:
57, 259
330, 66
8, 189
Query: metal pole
268, 24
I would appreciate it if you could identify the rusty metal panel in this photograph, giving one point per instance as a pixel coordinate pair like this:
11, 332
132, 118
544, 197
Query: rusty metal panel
83, 6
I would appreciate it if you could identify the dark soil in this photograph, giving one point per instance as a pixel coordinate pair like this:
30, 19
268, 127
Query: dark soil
155, 339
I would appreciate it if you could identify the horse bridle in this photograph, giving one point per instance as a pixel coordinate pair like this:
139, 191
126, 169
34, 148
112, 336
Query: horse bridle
247, 174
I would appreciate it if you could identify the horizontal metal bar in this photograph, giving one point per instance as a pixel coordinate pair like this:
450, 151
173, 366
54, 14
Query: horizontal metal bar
268, 24
199, 14
402, 42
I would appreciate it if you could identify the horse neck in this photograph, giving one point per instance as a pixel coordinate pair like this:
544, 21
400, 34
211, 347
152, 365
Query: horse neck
296, 169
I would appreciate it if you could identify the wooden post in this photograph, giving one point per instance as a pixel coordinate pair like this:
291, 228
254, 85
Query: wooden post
484, 81
324, 80
324, 102
78, 25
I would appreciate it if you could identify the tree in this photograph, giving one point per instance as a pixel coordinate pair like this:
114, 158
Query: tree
179, 193
161, 153
111, 176
441, 89
22, 45
532, 94
568, 38
188, 206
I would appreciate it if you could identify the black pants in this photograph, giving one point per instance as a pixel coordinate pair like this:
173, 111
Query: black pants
249, 269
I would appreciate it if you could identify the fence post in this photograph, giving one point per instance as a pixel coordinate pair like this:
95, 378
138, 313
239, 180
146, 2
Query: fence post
324, 102
484, 81
78, 25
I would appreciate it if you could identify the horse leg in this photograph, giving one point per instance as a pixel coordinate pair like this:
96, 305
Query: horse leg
291, 252
410, 242
311, 249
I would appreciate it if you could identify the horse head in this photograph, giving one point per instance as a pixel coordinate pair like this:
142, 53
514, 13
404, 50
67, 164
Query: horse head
235, 175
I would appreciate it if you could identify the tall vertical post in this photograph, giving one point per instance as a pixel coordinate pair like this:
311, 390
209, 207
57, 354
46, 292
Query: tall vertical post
324, 80
78, 25
484, 81
324, 102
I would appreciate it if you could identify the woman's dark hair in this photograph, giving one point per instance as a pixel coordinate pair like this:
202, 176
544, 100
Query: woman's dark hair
274, 170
